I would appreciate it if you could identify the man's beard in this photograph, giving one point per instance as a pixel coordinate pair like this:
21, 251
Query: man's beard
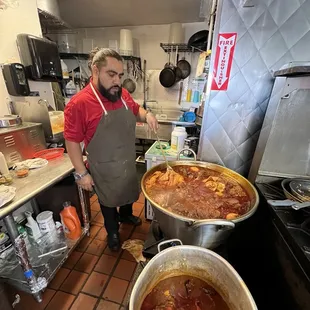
106, 92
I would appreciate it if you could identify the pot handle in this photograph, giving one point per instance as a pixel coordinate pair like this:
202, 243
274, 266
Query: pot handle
190, 150
225, 224
172, 242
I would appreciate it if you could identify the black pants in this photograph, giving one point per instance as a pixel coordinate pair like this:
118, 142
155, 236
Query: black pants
111, 217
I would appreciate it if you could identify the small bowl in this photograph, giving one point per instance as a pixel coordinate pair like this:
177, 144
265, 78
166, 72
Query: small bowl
22, 171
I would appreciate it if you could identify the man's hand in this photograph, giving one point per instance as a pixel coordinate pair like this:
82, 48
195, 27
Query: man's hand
152, 121
86, 183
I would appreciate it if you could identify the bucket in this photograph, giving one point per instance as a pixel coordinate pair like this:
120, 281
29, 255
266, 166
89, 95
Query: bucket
46, 221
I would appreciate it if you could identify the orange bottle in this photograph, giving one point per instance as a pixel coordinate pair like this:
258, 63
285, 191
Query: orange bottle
70, 221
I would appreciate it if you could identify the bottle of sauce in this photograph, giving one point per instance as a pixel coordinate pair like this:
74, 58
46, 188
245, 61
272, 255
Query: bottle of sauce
70, 221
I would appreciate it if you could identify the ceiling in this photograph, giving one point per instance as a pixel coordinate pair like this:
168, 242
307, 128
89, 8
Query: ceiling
105, 13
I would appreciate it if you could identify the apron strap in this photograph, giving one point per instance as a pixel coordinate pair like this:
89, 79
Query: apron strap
98, 98
124, 103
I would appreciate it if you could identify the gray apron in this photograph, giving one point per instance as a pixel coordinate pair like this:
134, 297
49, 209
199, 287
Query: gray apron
111, 155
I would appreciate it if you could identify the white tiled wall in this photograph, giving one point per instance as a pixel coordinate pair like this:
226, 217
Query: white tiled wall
271, 34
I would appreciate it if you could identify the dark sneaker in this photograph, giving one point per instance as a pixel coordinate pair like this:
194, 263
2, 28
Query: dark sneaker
114, 242
133, 220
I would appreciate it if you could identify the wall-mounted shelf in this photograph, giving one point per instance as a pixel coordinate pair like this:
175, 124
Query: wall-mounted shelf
182, 48
83, 56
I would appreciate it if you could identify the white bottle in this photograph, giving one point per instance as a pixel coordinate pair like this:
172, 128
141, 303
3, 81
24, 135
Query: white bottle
70, 89
178, 137
32, 226
4, 170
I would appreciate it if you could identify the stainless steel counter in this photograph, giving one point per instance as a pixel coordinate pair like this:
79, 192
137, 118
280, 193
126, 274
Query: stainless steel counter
37, 181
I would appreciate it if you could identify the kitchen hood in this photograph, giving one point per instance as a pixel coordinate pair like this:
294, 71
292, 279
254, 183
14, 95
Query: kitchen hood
49, 14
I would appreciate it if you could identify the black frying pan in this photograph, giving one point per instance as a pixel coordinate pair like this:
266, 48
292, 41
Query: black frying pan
167, 76
185, 68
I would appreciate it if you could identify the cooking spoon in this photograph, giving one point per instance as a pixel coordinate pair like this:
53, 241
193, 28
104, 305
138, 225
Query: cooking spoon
163, 153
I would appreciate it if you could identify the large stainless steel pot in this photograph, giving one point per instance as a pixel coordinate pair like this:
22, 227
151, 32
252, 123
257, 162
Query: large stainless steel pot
198, 262
207, 233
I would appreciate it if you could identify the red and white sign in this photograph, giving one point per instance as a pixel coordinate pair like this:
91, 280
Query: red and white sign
223, 59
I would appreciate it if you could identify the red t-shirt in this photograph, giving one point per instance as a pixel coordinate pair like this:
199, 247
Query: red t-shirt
83, 113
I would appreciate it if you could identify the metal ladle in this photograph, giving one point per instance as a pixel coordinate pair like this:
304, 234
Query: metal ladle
163, 153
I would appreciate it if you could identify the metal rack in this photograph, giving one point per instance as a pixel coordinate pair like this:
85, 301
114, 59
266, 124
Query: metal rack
84, 56
25, 267
181, 47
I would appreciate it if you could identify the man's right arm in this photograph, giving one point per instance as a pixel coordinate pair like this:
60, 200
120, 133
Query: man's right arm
74, 133
75, 153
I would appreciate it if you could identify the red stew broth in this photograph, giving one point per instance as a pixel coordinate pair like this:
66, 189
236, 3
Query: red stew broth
198, 193
183, 292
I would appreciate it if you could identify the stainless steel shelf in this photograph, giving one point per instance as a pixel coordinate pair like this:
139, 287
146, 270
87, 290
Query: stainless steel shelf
84, 56
47, 266
182, 48
37, 181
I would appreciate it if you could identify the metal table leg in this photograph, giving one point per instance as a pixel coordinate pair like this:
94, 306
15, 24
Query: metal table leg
22, 255
85, 213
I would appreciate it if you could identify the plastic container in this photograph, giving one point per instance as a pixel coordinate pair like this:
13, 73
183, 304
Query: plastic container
70, 221
176, 33
4, 170
57, 119
70, 89
32, 226
178, 137
22, 171
126, 43
46, 221
64, 69
189, 117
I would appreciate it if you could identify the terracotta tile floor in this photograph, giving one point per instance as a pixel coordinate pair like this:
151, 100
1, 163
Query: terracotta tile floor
93, 277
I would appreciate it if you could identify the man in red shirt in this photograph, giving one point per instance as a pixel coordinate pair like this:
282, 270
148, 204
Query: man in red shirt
103, 115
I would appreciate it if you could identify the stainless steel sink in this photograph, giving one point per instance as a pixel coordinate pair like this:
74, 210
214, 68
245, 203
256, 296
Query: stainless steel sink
167, 119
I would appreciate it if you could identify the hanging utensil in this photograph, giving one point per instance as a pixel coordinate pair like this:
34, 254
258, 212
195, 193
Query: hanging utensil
178, 71
167, 75
185, 67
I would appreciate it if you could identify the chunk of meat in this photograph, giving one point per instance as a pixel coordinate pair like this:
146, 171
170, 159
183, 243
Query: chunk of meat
231, 216
152, 180
171, 178
195, 169
237, 191
221, 187
211, 185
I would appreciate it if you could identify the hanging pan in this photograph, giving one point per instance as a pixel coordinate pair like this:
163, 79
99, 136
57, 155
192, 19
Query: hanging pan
185, 67
167, 75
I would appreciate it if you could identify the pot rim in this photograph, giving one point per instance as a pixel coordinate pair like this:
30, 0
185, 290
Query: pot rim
197, 248
229, 172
